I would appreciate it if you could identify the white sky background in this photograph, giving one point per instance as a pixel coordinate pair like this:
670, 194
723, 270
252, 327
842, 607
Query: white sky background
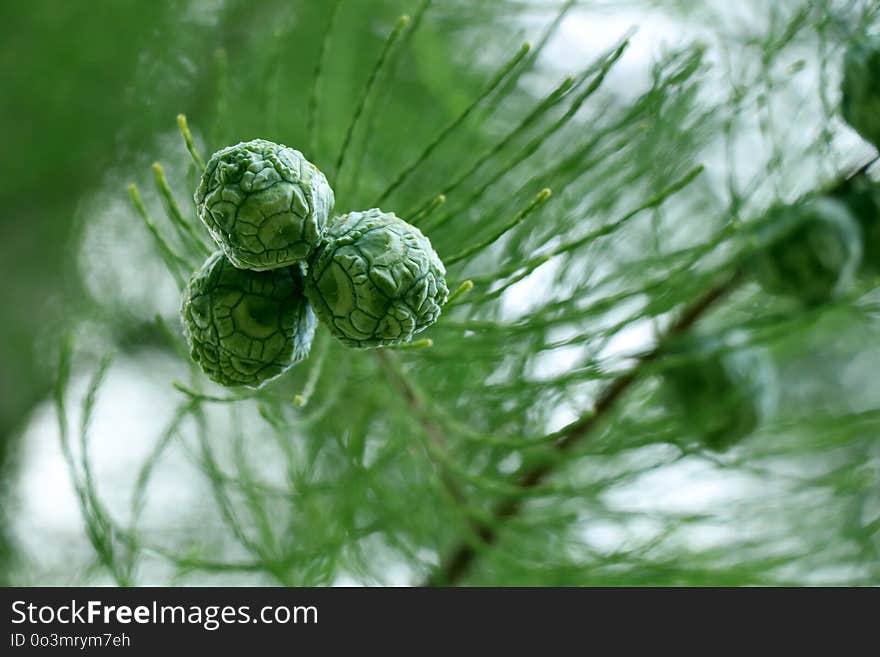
133, 407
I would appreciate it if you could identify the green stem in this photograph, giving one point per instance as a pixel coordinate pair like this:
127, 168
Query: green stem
188, 140
173, 261
399, 26
537, 202
496, 80
184, 229
314, 96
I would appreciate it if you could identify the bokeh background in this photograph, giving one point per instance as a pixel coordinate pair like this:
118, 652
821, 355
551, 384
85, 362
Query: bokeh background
680, 124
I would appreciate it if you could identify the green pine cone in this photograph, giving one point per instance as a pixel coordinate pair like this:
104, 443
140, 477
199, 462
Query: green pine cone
723, 397
376, 280
860, 103
814, 251
264, 204
245, 327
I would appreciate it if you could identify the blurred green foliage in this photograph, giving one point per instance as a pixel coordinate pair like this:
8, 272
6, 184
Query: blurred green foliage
380, 466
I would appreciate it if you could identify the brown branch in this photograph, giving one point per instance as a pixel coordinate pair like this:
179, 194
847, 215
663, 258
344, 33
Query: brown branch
417, 405
462, 556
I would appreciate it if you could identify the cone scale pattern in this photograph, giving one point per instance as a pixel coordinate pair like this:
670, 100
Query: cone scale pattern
376, 280
246, 327
264, 204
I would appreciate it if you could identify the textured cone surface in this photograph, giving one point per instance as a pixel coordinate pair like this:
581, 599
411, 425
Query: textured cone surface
264, 204
815, 252
246, 327
861, 89
376, 280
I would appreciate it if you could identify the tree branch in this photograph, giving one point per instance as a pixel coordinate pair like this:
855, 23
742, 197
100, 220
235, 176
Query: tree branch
461, 558
416, 402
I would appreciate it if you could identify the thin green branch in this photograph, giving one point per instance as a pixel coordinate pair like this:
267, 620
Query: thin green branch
227, 511
461, 558
428, 210
537, 202
451, 127
534, 54
184, 228
380, 64
138, 497
371, 110
314, 95
542, 107
416, 400
173, 261
461, 290
319, 353
532, 146
269, 548
527, 267
98, 525
423, 343
188, 140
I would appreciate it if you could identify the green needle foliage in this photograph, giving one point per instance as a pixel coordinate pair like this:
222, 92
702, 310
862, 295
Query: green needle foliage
572, 418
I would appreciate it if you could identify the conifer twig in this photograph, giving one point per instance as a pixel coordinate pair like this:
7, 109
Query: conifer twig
314, 95
184, 229
174, 262
393, 37
499, 76
536, 202
415, 400
462, 556
188, 140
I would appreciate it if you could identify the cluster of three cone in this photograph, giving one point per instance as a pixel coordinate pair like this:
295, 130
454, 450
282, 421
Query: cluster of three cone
250, 312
